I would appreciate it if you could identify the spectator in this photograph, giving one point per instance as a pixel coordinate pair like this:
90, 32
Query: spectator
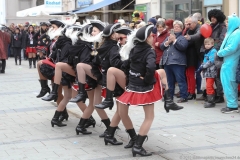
209, 71
4, 42
195, 41
162, 34
174, 60
153, 21
169, 24
230, 51
17, 45
217, 19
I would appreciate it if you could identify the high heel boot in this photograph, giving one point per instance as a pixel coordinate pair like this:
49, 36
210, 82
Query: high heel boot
64, 115
191, 96
91, 122
169, 104
137, 147
107, 124
133, 136
53, 95
109, 138
82, 94
55, 120
44, 88
81, 127
108, 101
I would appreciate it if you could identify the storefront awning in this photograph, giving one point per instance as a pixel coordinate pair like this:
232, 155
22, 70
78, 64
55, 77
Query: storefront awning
96, 6
34, 11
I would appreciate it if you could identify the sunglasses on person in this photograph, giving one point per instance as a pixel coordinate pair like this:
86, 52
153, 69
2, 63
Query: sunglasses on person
121, 38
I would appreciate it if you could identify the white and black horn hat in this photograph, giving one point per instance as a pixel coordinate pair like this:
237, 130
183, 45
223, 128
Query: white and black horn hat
108, 31
98, 24
143, 33
123, 30
57, 22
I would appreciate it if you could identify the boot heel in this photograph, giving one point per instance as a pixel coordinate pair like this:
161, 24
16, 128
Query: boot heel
66, 119
110, 108
77, 132
106, 143
52, 124
93, 125
134, 154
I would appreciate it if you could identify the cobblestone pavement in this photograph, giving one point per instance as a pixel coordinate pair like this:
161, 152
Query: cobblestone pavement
26, 133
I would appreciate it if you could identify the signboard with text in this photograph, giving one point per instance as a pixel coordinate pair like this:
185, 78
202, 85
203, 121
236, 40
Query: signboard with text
54, 5
83, 3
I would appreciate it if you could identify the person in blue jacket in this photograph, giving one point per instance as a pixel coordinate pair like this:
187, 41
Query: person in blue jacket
230, 51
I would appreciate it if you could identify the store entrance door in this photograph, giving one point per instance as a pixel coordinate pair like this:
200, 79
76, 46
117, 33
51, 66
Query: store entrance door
182, 9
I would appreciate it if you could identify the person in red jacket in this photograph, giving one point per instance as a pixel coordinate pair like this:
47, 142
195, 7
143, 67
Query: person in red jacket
162, 34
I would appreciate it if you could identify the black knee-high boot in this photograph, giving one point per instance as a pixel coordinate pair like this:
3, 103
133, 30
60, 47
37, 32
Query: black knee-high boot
30, 62
53, 95
133, 136
81, 127
34, 62
108, 101
44, 88
107, 124
109, 138
82, 94
137, 147
55, 120
64, 115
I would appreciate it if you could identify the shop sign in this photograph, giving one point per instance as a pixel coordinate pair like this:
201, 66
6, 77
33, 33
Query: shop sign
141, 8
53, 3
84, 3
212, 2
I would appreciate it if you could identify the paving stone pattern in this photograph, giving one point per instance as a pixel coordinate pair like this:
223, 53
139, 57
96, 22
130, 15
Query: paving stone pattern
26, 132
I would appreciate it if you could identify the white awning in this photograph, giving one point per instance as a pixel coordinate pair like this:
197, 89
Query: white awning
35, 11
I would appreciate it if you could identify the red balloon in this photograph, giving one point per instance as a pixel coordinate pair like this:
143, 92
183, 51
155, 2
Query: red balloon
206, 30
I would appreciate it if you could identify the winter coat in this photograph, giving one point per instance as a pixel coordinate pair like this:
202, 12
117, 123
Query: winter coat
4, 42
108, 56
159, 38
175, 53
209, 69
17, 41
218, 34
194, 45
31, 39
141, 63
61, 52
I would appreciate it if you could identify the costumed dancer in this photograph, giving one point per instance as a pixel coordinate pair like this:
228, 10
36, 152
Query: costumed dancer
31, 43
116, 78
46, 68
144, 88
107, 56
43, 40
62, 46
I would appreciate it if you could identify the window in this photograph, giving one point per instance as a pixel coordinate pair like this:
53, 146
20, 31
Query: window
24, 4
39, 2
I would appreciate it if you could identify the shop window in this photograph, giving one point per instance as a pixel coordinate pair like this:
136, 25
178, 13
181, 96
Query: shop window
39, 2
167, 9
196, 6
24, 4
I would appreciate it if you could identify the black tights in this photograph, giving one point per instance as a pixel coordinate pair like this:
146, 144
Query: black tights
17, 53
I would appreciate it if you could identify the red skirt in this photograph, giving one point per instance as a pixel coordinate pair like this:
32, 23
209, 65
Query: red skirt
104, 92
40, 48
31, 50
143, 98
75, 87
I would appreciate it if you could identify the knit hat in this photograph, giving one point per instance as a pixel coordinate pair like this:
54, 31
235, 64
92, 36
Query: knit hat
153, 21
